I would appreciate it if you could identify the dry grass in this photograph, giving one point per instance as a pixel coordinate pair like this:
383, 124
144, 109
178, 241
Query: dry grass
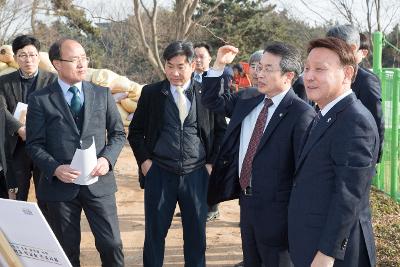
386, 222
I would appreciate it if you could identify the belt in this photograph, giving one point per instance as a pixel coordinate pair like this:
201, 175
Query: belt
247, 191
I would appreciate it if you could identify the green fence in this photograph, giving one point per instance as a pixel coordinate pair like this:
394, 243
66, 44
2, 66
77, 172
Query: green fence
388, 178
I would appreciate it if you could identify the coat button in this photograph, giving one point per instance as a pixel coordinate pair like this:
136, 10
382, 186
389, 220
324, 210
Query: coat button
344, 244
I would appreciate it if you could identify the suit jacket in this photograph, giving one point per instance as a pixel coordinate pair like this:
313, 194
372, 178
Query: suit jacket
367, 88
2, 134
11, 90
147, 123
329, 206
274, 162
53, 137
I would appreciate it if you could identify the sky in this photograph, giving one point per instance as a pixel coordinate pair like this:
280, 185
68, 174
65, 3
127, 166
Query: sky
317, 12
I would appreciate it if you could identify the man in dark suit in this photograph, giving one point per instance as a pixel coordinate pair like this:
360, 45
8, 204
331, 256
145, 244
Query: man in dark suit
175, 140
17, 87
329, 214
257, 157
366, 85
3, 165
62, 117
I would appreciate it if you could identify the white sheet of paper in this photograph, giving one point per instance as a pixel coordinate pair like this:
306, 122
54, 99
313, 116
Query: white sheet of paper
85, 160
19, 108
30, 236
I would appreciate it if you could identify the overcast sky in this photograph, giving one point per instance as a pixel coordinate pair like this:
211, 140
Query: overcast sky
316, 12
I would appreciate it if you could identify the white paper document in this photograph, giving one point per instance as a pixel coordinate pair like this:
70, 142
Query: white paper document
28, 233
20, 111
85, 160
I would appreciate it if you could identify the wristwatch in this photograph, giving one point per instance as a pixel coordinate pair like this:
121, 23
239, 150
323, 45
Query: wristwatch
13, 190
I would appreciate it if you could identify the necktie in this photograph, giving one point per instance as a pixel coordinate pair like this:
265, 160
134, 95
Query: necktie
315, 121
76, 103
197, 77
258, 131
181, 104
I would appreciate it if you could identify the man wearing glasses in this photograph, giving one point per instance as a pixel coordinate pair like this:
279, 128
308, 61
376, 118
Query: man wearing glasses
62, 117
17, 87
257, 157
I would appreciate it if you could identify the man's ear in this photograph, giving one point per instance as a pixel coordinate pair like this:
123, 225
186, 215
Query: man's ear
354, 48
349, 72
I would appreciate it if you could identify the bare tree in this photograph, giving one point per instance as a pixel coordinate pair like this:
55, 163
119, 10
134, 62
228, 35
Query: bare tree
13, 17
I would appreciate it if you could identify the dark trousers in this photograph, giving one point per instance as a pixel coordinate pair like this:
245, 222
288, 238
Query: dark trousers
163, 190
101, 213
3, 186
258, 252
22, 169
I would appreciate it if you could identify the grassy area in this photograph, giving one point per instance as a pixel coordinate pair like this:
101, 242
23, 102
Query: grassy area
386, 222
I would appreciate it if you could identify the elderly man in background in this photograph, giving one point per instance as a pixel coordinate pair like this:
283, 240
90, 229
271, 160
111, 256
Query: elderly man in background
17, 87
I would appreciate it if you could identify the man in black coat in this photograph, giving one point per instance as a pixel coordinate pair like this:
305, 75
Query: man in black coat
258, 152
329, 213
17, 87
366, 85
175, 140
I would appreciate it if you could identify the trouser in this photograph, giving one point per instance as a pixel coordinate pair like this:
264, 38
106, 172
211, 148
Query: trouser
163, 190
21, 169
101, 213
3, 186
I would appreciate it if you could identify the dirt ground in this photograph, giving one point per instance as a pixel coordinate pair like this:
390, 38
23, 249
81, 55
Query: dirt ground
223, 235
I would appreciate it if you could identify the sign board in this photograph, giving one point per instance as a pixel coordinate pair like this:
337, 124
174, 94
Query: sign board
30, 236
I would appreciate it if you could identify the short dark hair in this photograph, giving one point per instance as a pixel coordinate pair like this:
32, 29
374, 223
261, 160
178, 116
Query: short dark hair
55, 49
364, 43
24, 40
238, 66
290, 58
179, 48
339, 47
205, 45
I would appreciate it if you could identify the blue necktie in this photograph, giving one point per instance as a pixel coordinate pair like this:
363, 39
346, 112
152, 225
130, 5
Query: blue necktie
76, 103
197, 77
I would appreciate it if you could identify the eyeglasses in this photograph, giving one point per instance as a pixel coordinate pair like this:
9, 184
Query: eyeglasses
260, 68
26, 56
76, 60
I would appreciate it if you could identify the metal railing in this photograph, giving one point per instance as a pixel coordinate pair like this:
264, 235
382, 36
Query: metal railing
388, 177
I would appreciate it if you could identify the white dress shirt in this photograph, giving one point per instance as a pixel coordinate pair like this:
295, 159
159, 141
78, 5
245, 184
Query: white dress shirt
334, 102
175, 94
67, 94
249, 123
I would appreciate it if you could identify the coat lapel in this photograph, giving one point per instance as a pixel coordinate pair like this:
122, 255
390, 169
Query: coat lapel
59, 102
323, 125
16, 88
41, 80
276, 118
89, 94
246, 106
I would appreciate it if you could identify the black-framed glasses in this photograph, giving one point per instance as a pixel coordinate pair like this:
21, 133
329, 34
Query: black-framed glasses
26, 56
76, 60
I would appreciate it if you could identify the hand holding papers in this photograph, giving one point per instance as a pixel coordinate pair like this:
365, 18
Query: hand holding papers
20, 112
84, 161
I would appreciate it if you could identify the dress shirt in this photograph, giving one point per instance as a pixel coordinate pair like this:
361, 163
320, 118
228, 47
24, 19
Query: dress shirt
175, 94
250, 121
67, 94
335, 101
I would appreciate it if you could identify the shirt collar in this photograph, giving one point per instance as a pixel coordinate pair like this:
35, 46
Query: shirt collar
65, 86
334, 102
276, 100
27, 77
185, 87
